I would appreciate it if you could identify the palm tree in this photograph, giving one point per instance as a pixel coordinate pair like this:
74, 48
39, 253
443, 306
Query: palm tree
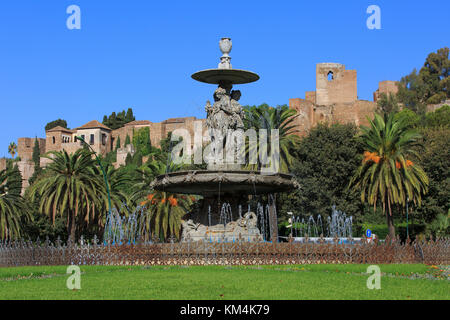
118, 182
70, 185
281, 118
164, 210
148, 172
12, 149
12, 205
269, 118
387, 173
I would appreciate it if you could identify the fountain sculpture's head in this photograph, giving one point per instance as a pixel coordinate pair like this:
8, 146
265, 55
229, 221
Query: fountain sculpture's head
235, 95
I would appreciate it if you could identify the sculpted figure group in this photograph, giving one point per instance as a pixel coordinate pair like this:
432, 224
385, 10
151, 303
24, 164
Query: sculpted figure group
245, 227
226, 112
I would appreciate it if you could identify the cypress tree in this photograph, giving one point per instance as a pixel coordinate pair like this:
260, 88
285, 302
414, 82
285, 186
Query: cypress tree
138, 159
37, 161
128, 159
129, 117
113, 121
127, 140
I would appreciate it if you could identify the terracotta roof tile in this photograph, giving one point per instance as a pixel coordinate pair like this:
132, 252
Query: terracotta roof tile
94, 124
59, 128
138, 123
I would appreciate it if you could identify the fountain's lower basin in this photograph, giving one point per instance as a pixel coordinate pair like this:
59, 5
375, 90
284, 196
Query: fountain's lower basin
215, 182
326, 240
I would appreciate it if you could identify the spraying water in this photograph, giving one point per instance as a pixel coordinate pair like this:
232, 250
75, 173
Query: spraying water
338, 225
128, 227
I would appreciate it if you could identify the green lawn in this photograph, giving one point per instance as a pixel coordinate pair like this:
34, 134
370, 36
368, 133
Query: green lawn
221, 282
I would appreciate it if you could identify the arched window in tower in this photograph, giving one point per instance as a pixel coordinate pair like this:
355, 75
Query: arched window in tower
330, 76
54, 140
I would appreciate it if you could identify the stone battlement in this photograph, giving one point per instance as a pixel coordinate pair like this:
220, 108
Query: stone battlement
335, 99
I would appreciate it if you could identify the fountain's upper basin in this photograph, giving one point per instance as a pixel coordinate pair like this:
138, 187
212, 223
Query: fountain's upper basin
233, 76
213, 183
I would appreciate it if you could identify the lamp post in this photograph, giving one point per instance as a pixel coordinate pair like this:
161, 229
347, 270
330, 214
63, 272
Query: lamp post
101, 168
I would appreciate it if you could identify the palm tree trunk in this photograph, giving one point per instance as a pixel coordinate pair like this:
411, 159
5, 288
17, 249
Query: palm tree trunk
273, 219
71, 227
390, 223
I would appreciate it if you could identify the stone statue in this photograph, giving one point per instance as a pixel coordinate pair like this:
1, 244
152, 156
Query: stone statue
237, 113
224, 119
246, 227
226, 112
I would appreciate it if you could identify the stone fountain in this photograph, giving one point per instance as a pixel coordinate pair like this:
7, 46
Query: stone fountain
225, 183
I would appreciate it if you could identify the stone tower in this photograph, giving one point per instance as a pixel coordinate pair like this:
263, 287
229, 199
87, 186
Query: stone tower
334, 100
334, 84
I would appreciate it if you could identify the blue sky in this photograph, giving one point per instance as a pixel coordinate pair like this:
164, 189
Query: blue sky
141, 54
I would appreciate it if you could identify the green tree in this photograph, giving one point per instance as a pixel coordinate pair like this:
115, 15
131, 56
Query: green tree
141, 141
127, 140
388, 103
324, 162
119, 185
166, 146
56, 123
70, 186
435, 74
268, 118
129, 116
12, 205
137, 159
428, 86
118, 143
439, 118
387, 173
128, 159
36, 157
118, 120
12, 149
435, 160
410, 118
112, 121
164, 210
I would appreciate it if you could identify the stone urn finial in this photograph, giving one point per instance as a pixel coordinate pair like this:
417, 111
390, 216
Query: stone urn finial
225, 46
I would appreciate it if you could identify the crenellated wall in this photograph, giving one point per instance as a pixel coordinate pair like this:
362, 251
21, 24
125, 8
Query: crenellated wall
335, 99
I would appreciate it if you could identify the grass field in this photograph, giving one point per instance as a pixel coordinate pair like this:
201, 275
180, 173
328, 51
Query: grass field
223, 283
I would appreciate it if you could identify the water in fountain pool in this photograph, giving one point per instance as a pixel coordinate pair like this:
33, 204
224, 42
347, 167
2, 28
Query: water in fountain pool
338, 225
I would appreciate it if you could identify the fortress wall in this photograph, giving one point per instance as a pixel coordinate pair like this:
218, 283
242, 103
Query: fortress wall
323, 114
355, 112
26, 168
2, 164
122, 133
310, 96
434, 107
53, 141
342, 88
158, 130
122, 155
363, 110
71, 147
335, 99
305, 115
25, 147
385, 87
156, 134
45, 162
345, 113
